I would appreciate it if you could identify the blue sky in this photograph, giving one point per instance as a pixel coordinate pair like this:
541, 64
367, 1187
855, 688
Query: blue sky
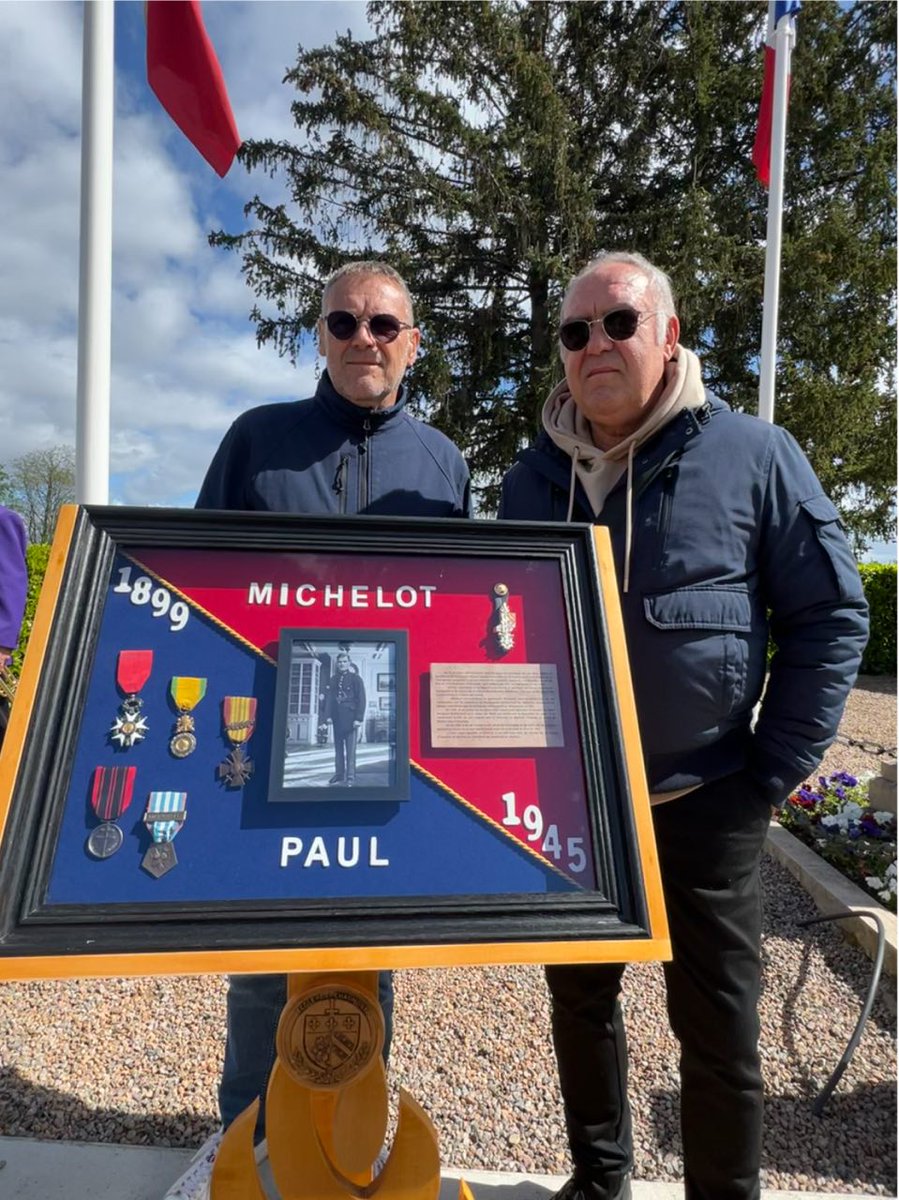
184, 355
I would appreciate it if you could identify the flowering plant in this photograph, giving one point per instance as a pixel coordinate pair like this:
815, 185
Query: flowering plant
836, 820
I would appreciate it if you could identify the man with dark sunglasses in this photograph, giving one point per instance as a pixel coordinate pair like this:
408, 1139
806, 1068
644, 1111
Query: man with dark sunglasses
721, 535
351, 448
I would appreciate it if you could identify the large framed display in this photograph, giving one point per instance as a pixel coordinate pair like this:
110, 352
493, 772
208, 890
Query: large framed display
253, 741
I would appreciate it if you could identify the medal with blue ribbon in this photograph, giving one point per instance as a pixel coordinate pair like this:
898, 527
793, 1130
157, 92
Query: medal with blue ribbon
166, 813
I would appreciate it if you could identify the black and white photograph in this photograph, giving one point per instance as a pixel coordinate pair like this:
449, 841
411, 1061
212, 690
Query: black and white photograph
341, 720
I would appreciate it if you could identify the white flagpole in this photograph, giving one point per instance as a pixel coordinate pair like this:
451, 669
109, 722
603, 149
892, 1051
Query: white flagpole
95, 257
783, 45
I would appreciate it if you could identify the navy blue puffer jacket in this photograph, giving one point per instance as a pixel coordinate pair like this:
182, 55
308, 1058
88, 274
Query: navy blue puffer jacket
732, 535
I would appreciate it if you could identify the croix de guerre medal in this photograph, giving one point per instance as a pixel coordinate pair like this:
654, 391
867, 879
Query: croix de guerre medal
132, 672
111, 794
239, 714
166, 813
187, 692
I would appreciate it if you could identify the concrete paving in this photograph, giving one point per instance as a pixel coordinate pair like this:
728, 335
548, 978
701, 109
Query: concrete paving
36, 1170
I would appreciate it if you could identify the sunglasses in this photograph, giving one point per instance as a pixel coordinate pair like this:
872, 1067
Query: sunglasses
382, 327
619, 325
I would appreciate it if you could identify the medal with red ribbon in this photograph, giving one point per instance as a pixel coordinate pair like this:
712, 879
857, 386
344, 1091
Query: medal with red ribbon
111, 794
239, 713
132, 672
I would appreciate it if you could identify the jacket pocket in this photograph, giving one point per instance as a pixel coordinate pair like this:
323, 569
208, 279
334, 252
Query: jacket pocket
722, 608
828, 527
706, 645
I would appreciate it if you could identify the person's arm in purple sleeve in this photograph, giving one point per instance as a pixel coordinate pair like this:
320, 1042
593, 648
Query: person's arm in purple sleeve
13, 580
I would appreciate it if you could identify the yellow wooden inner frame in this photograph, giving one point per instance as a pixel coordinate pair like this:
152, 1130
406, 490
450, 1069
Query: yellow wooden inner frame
357, 958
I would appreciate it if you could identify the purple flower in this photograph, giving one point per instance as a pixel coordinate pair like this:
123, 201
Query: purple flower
871, 828
805, 798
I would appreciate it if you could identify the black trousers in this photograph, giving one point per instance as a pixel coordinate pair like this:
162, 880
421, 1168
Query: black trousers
709, 842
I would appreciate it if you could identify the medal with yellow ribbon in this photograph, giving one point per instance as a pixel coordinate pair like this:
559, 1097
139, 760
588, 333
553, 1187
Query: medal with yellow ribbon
187, 692
239, 714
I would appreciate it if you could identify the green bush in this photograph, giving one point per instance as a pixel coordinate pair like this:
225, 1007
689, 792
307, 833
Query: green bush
36, 557
879, 581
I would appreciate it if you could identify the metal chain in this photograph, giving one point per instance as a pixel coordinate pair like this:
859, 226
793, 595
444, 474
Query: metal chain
868, 747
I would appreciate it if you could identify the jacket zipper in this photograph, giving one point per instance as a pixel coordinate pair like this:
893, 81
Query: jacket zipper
364, 481
669, 475
340, 480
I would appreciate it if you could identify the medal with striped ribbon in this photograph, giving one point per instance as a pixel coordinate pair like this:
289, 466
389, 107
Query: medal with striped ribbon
239, 713
187, 692
111, 794
166, 813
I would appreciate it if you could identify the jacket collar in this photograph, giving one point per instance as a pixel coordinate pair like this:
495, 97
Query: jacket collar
353, 416
546, 457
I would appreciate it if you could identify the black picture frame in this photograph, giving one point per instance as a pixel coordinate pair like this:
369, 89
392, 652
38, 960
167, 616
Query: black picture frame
44, 786
386, 683
313, 768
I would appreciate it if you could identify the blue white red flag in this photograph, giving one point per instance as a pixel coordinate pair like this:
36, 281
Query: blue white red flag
778, 11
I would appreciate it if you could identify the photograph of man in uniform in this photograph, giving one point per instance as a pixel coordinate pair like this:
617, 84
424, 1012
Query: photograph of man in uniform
338, 731
344, 706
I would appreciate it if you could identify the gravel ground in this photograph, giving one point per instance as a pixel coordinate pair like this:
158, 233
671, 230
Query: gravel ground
137, 1060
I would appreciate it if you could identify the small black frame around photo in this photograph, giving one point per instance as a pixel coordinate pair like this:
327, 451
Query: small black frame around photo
333, 736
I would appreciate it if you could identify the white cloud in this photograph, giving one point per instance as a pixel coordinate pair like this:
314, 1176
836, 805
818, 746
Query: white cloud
184, 355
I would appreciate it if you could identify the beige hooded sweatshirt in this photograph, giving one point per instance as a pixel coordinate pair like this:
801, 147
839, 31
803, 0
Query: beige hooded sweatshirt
599, 470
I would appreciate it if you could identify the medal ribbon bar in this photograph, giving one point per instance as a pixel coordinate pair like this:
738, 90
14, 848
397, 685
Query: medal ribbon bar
112, 791
166, 813
187, 691
133, 669
240, 717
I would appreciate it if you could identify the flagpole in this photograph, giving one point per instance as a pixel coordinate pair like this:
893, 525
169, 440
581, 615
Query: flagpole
783, 45
95, 255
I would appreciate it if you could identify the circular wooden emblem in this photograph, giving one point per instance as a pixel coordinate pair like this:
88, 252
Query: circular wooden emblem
329, 1035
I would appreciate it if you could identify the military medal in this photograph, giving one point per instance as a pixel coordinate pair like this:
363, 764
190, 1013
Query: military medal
132, 672
503, 628
111, 794
187, 692
166, 813
239, 714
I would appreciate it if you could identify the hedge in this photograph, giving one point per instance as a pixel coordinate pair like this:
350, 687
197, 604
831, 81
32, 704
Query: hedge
36, 557
879, 580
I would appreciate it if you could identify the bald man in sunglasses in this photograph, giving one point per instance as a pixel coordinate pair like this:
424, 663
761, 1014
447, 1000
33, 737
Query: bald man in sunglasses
721, 533
351, 448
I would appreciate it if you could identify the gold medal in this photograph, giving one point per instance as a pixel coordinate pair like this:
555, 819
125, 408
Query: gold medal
187, 692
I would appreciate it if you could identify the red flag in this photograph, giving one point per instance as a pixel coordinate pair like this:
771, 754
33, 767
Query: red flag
183, 71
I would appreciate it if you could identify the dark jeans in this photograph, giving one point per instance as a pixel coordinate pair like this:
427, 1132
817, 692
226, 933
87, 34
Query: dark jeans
345, 752
709, 842
254, 1008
